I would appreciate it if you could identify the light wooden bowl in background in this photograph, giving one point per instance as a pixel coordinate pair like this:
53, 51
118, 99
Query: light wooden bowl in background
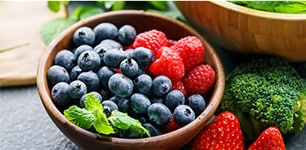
142, 21
241, 29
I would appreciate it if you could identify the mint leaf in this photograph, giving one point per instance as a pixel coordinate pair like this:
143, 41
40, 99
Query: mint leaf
83, 12
79, 116
92, 103
52, 28
124, 122
54, 5
101, 124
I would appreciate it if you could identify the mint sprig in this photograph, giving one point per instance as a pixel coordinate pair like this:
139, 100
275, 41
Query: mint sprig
93, 115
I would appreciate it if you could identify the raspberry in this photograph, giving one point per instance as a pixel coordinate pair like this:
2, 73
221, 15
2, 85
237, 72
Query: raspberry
152, 39
171, 126
191, 50
199, 80
170, 42
169, 64
179, 85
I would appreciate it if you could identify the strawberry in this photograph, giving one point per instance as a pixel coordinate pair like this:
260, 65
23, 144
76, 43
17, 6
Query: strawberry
171, 126
269, 139
179, 85
152, 39
169, 64
222, 133
199, 80
191, 49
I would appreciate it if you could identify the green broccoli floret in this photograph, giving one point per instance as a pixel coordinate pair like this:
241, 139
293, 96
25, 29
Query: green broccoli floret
264, 92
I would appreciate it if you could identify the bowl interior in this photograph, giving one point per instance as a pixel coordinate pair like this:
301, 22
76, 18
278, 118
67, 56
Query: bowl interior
142, 21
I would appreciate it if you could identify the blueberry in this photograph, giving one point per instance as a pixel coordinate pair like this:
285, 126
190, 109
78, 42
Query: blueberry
183, 114
112, 43
130, 133
91, 80
74, 73
65, 58
89, 60
139, 103
129, 67
109, 106
120, 85
197, 103
129, 52
174, 98
84, 98
60, 95
77, 89
159, 114
154, 131
83, 35
57, 74
103, 47
161, 85
122, 103
104, 74
81, 49
106, 93
143, 84
113, 57
156, 99
105, 30
126, 35
143, 56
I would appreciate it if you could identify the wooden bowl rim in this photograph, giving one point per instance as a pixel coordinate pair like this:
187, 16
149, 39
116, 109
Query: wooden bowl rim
259, 13
54, 113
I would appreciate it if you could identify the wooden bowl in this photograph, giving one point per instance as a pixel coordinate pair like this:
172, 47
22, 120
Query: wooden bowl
141, 21
241, 29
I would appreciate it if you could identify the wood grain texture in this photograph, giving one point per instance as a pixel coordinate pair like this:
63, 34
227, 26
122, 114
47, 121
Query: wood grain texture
20, 24
246, 30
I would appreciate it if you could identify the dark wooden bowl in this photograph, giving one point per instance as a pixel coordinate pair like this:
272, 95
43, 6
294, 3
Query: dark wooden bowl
141, 21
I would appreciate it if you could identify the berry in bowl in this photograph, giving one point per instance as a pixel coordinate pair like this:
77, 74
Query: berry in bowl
130, 80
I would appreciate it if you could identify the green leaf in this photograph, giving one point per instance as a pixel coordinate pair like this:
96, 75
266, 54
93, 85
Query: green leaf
118, 5
101, 124
52, 28
92, 103
124, 122
294, 7
79, 116
159, 5
171, 13
54, 5
83, 12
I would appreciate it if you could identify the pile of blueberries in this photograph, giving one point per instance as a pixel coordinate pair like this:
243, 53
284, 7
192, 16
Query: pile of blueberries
98, 63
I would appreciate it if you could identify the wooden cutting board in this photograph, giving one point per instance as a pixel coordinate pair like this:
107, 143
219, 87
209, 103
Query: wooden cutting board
20, 23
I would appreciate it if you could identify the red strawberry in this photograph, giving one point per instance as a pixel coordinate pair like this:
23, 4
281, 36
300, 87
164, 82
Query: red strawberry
152, 39
222, 133
269, 139
179, 85
191, 49
171, 126
169, 64
199, 80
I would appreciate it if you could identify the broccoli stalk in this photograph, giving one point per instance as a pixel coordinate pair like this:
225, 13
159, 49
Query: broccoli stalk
265, 92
